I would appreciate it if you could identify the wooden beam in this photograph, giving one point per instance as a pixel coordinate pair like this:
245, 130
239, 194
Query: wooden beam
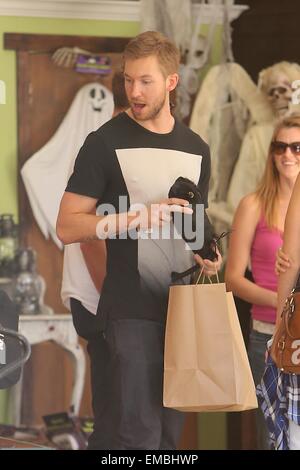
49, 42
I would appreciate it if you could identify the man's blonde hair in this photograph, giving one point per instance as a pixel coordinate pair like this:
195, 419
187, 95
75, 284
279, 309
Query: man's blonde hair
156, 44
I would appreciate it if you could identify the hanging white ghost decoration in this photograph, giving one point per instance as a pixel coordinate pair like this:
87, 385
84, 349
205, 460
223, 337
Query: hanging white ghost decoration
46, 173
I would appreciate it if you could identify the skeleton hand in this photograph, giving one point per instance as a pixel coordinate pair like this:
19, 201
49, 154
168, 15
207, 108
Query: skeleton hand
67, 56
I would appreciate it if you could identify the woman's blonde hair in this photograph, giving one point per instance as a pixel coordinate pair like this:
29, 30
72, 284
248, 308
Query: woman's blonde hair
154, 43
268, 189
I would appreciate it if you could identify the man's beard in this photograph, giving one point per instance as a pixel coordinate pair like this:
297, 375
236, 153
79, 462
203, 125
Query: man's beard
152, 113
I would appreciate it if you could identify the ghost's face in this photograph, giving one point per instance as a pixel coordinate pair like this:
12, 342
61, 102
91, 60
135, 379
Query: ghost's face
97, 98
279, 92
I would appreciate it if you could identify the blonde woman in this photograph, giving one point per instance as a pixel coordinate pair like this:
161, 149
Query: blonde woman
257, 234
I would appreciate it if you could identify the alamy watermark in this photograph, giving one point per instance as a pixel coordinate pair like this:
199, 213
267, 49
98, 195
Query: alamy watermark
156, 222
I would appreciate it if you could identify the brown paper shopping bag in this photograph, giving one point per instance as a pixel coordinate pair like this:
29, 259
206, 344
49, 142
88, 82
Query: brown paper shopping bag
206, 367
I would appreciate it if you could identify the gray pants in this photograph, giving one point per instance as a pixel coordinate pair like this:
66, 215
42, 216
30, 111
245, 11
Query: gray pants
127, 384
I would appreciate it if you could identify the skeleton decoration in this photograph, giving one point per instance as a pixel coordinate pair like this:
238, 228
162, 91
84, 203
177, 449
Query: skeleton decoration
170, 17
276, 83
280, 94
46, 173
237, 118
174, 19
67, 56
220, 115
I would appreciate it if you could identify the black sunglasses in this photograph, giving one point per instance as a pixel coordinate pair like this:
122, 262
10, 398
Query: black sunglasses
278, 148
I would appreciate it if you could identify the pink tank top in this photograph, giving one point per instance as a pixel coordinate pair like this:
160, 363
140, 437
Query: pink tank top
263, 257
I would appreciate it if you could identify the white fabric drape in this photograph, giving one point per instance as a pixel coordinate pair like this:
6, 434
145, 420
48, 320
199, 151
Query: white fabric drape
171, 17
46, 173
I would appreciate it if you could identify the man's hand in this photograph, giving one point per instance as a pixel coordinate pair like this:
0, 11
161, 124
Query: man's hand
158, 214
210, 267
282, 262
141, 217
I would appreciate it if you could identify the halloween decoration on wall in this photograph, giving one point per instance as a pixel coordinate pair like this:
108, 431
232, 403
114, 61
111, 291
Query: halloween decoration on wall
275, 83
237, 117
220, 115
67, 56
171, 17
83, 61
46, 173
174, 19
99, 65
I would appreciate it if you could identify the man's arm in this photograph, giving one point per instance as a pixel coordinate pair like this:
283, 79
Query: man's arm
76, 221
291, 246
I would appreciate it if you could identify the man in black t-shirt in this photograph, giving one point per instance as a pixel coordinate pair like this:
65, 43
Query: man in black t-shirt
125, 169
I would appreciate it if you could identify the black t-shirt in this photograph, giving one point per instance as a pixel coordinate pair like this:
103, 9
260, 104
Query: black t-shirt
123, 159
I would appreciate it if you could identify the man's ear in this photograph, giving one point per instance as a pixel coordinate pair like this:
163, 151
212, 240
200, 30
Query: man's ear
172, 81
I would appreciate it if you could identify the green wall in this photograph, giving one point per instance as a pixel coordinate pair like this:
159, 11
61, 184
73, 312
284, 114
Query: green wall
8, 116
8, 112
208, 423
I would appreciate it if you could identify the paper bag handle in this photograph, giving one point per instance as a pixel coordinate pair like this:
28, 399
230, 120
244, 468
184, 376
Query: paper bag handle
209, 277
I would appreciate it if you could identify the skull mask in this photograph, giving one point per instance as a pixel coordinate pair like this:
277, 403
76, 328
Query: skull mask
279, 92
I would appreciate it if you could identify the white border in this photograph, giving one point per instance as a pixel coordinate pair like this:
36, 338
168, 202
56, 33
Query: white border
115, 10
